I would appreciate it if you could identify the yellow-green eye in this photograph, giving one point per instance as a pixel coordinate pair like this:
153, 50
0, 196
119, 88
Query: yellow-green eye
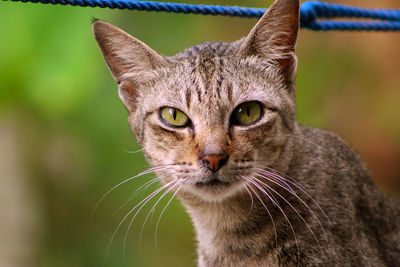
246, 113
174, 117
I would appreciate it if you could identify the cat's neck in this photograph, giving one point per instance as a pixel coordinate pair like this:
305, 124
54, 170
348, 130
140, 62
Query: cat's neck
232, 228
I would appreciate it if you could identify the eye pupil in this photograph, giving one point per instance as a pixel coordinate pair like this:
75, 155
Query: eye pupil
247, 113
173, 117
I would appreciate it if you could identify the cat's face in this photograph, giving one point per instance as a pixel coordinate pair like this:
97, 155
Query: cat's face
229, 108
211, 115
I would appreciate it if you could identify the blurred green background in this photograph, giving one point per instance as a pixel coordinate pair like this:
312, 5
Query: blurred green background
65, 141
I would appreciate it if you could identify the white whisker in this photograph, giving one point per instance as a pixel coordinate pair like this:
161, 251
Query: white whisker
134, 152
251, 197
262, 203
298, 186
132, 210
295, 210
301, 200
138, 190
163, 210
141, 207
278, 178
262, 189
151, 170
154, 206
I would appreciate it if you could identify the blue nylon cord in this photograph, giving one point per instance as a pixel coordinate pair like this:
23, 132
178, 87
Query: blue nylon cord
384, 19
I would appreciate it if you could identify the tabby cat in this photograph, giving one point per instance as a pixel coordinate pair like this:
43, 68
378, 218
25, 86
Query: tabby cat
217, 123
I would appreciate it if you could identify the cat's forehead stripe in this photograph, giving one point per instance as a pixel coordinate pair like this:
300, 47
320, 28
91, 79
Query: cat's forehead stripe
206, 65
206, 60
188, 96
214, 49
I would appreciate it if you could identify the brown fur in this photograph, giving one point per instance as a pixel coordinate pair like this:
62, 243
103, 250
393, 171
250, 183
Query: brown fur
287, 195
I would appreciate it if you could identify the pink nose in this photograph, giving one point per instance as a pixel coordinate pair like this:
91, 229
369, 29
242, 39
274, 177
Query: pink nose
214, 162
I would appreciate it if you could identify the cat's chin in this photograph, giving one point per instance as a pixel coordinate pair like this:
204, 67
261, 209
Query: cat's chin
215, 190
213, 184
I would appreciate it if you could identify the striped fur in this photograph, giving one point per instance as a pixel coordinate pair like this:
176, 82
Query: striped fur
288, 195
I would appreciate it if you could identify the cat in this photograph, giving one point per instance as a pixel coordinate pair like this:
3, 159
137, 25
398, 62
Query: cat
217, 123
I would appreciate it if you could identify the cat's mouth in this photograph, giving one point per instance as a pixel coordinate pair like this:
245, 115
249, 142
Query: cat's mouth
213, 183
215, 188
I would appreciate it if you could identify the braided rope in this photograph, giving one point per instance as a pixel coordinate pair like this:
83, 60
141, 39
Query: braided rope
384, 19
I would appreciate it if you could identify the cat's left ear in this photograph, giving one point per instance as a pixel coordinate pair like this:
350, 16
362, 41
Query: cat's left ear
274, 37
130, 61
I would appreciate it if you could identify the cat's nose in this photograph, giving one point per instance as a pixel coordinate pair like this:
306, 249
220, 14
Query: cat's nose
214, 162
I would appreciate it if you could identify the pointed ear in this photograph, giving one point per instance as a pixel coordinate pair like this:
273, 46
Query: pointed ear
274, 37
130, 61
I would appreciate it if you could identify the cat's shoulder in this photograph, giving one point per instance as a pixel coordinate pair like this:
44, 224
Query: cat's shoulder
328, 145
323, 137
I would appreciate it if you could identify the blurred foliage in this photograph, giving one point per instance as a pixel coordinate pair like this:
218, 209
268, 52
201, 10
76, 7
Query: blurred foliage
75, 141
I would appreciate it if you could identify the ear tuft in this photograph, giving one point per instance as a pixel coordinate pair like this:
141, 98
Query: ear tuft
127, 93
273, 38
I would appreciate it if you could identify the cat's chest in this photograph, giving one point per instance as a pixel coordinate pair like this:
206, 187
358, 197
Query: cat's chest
234, 254
232, 249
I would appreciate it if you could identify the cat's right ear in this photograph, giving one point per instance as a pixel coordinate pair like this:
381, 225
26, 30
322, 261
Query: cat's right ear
130, 61
273, 38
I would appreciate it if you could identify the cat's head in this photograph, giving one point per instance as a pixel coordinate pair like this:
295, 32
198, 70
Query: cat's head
211, 115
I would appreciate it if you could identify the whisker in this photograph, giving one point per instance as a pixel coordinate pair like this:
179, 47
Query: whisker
302, 201
278, 179
151, 170
251, 197
163, 210
295, 210
140, 189
271, 178
262, 203
130, 212
134, 152
298, 186
284, 178
154, 206
139, 209
262, 189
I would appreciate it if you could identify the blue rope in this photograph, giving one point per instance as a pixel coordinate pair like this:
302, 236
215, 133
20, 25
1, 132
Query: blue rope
387, 19
384, 19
